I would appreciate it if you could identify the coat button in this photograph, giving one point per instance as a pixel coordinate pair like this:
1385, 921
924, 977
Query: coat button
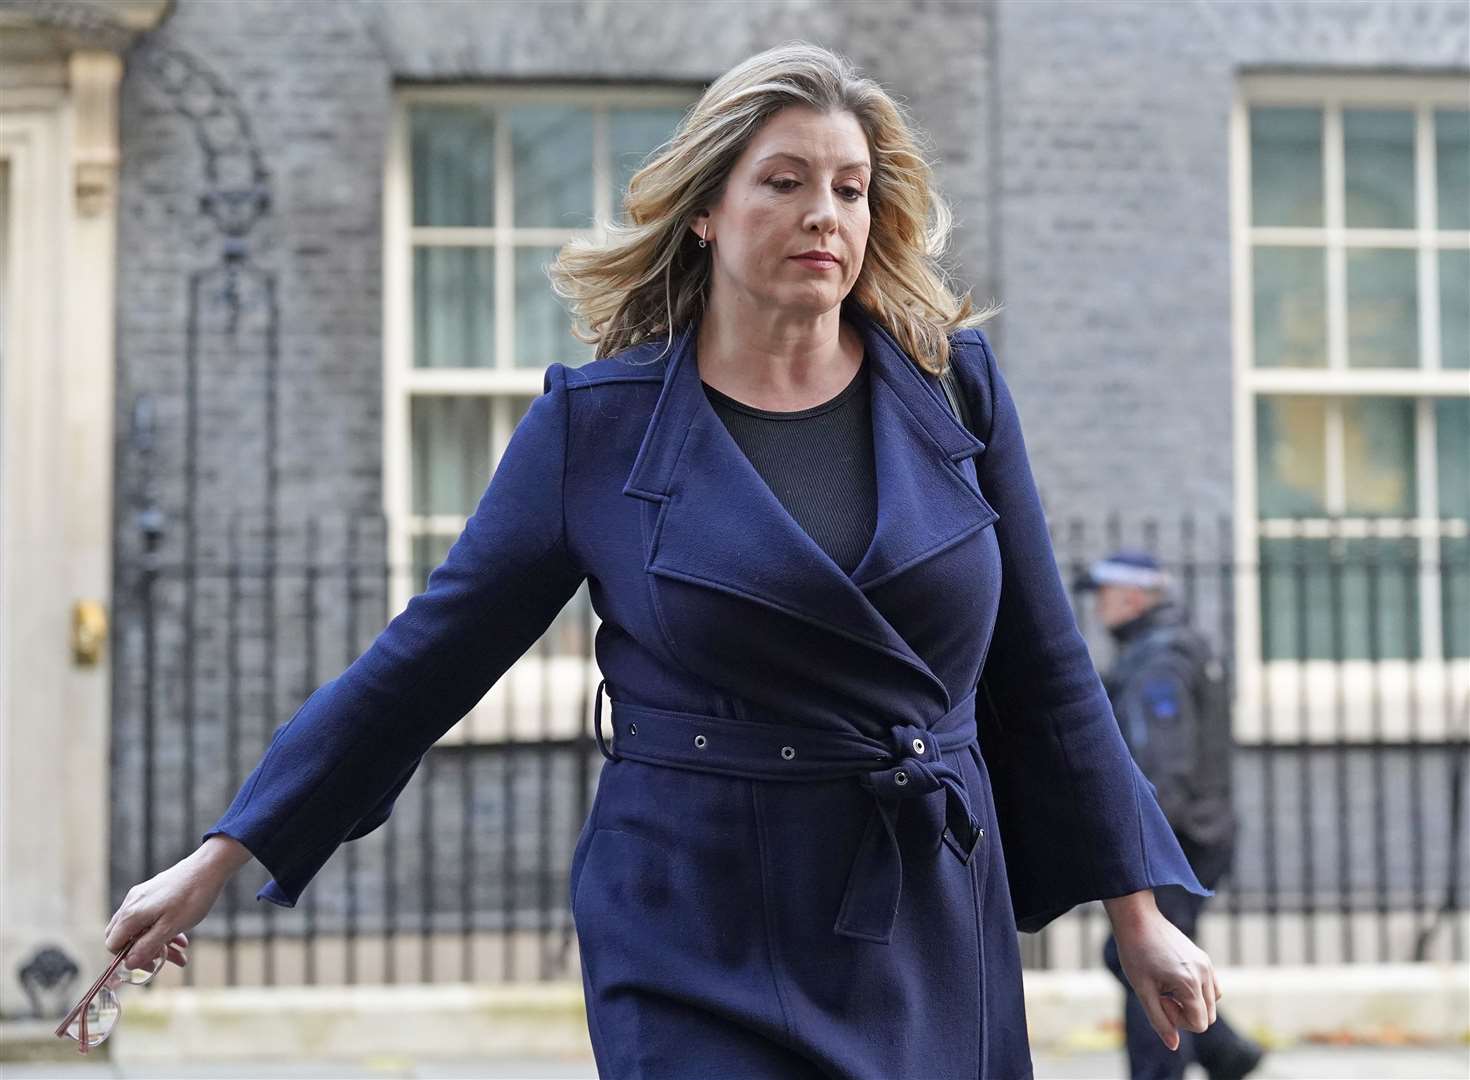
632, 729
788, 752
918, 746
699, 741
900, 778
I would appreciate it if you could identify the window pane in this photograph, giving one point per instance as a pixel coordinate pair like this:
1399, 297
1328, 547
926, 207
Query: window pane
1378, 168
1286, 166
508, 412
451, 453
1291, 307
453, 164
552, 150
428, 552
570, 633
1378, 456
1452, 151
1454, 583
1381, 598
1339, 599
1291, 462
1383, 309
1452, 432
1454, 309
633, 134
453, 307
517, 406
542, 324
1292, 585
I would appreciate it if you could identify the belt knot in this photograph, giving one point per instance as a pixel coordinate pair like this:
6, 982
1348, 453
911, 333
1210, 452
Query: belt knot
875, 880
917, 770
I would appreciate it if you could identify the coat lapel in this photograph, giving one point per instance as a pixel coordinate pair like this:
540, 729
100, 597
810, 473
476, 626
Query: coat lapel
720, 525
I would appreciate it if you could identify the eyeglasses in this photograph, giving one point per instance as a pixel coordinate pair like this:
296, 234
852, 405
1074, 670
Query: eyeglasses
95, 1017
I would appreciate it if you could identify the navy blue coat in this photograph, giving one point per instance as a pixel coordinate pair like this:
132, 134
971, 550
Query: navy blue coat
800, 861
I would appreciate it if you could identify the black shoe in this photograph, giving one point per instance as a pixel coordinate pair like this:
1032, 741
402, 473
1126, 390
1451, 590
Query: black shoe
1240, 1063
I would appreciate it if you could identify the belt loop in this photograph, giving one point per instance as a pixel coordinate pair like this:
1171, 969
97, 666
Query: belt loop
597, 723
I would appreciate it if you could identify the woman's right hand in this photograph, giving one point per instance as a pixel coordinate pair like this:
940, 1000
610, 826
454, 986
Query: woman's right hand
157, 912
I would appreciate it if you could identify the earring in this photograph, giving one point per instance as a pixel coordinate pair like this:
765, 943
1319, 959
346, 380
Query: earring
702, 242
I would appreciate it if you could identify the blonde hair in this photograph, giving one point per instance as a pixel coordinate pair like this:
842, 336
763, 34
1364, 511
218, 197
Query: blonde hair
650, 279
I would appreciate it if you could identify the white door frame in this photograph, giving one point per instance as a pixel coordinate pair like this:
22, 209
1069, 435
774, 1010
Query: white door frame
57, 386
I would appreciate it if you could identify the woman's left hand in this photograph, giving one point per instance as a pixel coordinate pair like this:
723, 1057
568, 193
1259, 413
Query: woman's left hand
1172, 976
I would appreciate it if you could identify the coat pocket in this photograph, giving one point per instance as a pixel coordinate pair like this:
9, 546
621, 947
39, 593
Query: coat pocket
622, 875
624, 912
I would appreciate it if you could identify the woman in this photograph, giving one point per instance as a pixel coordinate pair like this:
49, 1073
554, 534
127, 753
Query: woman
804, 564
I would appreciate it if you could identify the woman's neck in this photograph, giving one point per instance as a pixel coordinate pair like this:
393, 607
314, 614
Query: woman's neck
777, 365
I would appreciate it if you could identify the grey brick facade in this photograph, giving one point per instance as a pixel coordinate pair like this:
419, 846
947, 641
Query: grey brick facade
1115, 230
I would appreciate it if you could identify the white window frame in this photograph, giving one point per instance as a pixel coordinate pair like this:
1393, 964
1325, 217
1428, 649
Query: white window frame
1322, 701
539, 697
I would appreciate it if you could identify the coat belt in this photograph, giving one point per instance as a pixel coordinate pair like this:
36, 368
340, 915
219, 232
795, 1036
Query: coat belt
907, 765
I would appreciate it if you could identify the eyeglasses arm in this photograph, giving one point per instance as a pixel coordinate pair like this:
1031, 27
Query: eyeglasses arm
80, 1007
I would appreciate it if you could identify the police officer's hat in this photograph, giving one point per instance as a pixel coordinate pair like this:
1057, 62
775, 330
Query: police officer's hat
1125, 567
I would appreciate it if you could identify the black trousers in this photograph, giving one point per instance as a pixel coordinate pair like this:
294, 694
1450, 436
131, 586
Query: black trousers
1148, 1057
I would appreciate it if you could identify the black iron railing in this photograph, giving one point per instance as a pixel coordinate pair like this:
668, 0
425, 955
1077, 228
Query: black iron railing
1352, 844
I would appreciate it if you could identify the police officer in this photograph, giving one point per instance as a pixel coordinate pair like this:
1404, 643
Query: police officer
1172, 703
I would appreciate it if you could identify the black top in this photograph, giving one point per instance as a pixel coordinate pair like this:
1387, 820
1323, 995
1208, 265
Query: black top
817, 461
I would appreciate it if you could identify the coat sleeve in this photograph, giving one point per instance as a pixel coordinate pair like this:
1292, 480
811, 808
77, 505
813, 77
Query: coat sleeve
333, 770
1077, 818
